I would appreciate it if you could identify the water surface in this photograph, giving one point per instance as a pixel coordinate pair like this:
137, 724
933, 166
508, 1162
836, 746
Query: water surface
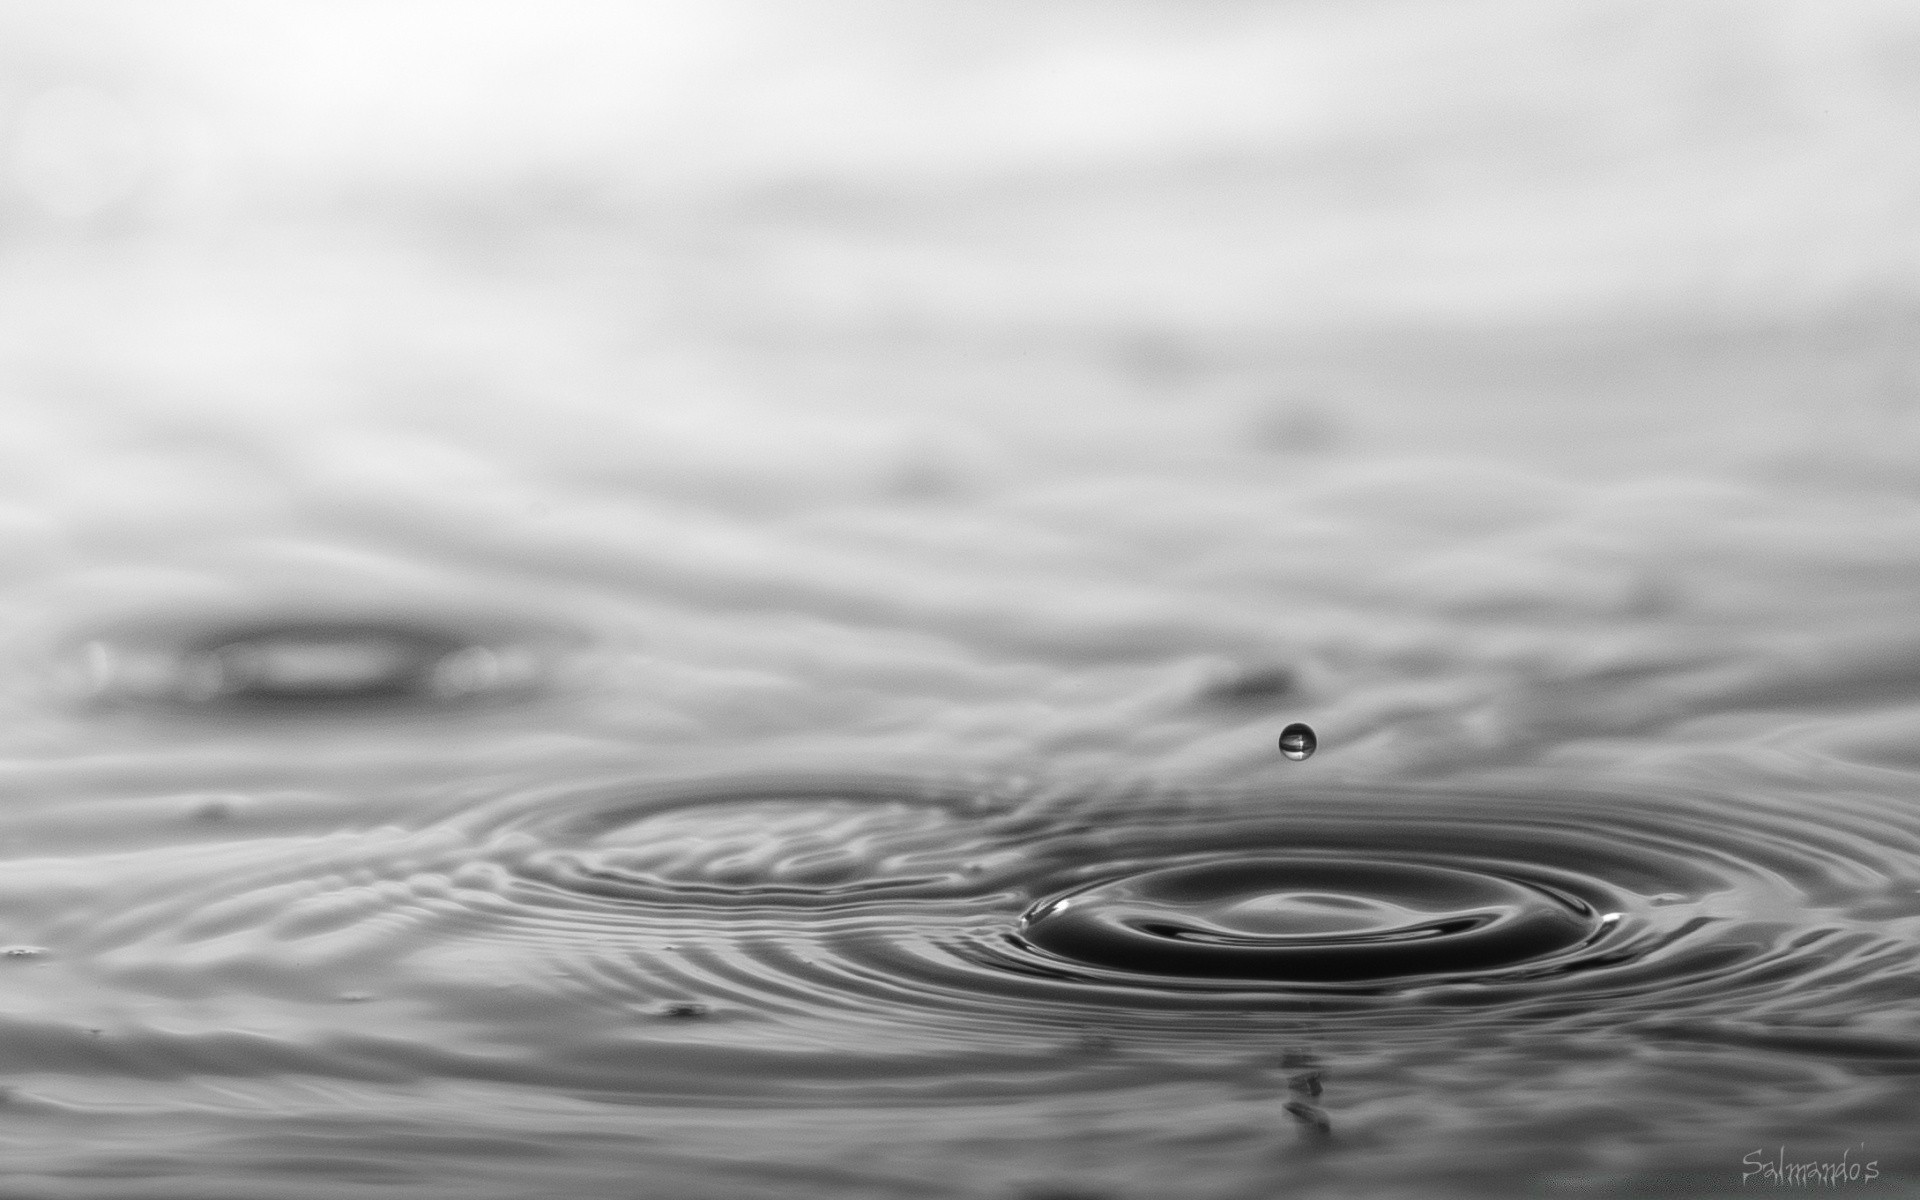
706, 601
788, 799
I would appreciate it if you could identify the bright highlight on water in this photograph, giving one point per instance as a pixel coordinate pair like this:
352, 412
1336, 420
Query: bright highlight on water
1297, 741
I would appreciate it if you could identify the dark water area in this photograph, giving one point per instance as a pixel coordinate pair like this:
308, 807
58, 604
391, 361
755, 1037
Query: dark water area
1035, 664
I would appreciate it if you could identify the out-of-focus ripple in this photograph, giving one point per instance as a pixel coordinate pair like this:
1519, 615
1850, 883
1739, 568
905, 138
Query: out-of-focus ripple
292, 664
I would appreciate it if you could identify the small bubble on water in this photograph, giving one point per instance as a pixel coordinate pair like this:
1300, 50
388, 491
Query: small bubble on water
23, 951
1297, 741
684, 1009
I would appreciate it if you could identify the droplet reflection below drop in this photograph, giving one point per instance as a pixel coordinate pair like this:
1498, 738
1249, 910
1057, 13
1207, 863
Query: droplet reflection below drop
1297, 741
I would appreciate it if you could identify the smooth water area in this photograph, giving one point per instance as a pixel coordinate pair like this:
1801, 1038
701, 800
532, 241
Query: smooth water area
553, 764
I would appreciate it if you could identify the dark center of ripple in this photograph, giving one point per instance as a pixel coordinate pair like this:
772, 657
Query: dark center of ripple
1309, 920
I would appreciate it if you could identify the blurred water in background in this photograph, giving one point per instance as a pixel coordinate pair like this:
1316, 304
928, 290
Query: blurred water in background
577, 578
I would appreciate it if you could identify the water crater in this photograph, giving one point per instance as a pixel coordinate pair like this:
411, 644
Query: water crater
1311, 920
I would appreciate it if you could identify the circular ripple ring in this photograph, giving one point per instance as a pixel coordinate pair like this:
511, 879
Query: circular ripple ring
799, 928
1308, 920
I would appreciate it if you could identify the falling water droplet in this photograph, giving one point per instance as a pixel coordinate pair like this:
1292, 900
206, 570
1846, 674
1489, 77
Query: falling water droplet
1297, 741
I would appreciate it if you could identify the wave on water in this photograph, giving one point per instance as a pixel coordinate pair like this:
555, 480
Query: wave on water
942, 938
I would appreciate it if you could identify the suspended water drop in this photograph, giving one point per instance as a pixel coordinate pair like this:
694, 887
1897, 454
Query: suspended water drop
1297, 741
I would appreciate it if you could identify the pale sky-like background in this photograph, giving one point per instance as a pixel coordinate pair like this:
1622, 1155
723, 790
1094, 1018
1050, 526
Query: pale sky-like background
1225, 162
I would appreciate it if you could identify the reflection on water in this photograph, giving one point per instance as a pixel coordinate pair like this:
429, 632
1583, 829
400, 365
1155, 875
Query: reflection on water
555, 646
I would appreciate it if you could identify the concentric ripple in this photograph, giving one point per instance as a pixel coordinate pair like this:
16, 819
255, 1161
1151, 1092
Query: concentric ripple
911, 904
921, 932
293, 664
1307, 919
